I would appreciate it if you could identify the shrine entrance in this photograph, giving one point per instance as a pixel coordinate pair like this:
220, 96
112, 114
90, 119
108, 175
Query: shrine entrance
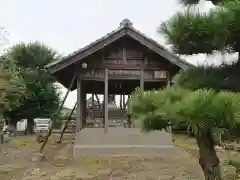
114, 65
116, 114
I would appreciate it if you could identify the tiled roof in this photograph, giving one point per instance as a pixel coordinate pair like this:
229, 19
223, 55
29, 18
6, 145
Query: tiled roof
125, 24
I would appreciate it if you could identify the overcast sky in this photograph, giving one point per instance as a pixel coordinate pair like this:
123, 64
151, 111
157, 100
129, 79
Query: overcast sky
67, 25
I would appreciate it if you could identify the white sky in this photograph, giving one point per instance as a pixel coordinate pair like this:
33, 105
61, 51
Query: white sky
67, 25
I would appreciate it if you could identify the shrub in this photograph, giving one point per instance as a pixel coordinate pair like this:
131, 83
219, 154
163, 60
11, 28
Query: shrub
207, 112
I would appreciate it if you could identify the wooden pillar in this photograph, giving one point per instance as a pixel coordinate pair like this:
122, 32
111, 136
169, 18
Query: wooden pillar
142, 80
79, 105
92, 100
168, 80
106, 101
84, 108
129, 118
98, 101
123, 101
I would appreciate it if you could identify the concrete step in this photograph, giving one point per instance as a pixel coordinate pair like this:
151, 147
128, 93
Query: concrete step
80, 151
124, 136
121, 141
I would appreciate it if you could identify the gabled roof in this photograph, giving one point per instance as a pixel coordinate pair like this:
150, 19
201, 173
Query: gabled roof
125, 29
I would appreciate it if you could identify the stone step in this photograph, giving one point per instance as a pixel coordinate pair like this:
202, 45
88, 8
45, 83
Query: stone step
124, 136
81, 150
121, 141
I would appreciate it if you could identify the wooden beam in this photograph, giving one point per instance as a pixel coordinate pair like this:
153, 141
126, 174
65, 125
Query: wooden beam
142, 80
93, 100
66, 124
98, 101
168, 80
159, 49
125, 103
84, 108
124, 55
95, 65
129, 117
58, 111
121, 107
106, 101
79, 105
85, 52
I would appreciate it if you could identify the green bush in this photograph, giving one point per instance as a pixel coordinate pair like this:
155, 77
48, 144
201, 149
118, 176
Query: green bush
153, 108
203, 111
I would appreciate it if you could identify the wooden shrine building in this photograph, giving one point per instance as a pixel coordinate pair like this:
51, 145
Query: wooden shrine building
117, 63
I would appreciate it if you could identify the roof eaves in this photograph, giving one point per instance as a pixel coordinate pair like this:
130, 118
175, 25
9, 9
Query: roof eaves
55, 63
179, 61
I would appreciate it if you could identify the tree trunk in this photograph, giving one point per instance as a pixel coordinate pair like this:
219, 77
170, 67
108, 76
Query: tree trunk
30, 126
208, 159
1, 140
12, 127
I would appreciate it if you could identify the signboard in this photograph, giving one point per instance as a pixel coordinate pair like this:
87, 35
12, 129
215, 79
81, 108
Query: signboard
124, 73
160, 74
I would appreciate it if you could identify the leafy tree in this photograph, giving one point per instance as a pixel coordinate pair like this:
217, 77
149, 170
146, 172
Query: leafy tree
217, 78
192, 32
41, 97
205, 111
12, 88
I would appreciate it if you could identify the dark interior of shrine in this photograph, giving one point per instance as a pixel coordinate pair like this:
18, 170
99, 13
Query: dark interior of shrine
119, 86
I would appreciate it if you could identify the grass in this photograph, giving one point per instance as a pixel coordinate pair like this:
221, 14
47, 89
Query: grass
183, 141
16, 143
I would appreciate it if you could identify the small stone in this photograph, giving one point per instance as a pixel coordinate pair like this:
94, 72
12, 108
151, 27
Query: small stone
36, 170
38, 157
43, 174
54, 178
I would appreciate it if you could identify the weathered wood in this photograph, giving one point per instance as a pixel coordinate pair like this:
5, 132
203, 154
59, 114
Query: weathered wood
106, 101
97, 99
92, 100
115, 65
158, 75
142, 80
87, 51
79, 105
128, 66
66, 124
121, 101
123, 105
58, 111
84, 108
124, 57
129, 112
112, 48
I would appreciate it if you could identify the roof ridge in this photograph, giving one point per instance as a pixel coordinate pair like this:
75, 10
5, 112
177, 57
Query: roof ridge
86, 47
160, 45
125, 24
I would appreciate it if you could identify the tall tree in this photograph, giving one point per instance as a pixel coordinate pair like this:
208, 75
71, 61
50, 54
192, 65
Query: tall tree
12, 88
41, 98
205, 111
192, 32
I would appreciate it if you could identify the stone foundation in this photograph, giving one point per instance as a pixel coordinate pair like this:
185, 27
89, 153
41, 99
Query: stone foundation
121, 141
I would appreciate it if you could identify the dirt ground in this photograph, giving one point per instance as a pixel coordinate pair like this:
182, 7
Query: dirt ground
17, 163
